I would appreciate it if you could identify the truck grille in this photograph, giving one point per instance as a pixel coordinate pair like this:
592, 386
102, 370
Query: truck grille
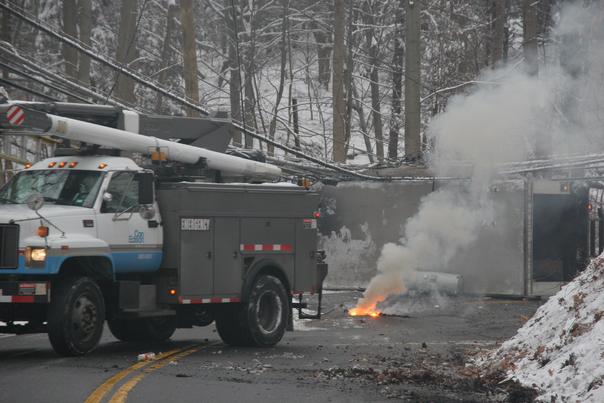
9, 246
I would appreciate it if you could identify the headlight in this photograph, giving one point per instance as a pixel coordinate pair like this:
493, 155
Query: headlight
34, 256
38, 254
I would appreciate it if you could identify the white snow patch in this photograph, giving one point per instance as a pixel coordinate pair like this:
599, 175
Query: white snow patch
560, 350
348, 258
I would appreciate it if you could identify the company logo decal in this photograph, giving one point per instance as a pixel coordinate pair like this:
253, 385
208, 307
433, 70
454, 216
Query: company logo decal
136, 237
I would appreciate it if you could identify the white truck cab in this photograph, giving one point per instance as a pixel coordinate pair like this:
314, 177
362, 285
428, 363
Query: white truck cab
91, 207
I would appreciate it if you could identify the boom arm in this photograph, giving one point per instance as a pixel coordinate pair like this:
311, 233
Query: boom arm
73, 129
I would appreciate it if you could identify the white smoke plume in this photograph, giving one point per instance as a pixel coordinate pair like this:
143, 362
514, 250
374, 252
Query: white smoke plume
514, 117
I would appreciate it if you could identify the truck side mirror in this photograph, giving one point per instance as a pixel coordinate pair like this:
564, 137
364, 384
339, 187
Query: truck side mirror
145, 187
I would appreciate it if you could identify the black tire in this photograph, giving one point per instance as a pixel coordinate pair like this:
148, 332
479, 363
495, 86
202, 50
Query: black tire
230, 324
126, 330
76, 315
148, 329
159, 328
261, 320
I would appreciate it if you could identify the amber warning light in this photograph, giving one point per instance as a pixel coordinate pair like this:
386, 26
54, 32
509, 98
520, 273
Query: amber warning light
43, 231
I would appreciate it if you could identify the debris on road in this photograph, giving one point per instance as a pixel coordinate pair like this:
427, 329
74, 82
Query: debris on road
559, 351
146, 357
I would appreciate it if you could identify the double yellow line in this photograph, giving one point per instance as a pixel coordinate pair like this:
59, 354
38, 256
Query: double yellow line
144, 368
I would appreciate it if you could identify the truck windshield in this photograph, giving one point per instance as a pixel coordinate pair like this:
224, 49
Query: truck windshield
64, 187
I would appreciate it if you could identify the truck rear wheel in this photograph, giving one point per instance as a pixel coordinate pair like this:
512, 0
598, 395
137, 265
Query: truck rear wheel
148, 329
76, 316
262, 320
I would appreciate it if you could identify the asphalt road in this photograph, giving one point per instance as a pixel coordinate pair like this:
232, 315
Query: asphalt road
417, 356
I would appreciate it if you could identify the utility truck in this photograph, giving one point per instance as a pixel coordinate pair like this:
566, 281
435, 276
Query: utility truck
93, 236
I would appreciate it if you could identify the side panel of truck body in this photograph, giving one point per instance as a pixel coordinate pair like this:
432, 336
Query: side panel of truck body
215, 233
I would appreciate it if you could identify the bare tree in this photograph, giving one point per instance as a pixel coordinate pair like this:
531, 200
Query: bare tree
374, 78
6, 37
283, 47
499, 19
397, 83
339, 105
323, 41
189, 53
166, 51
412, 82
529, 45
126, 49
231, 16
70, 55
85, 26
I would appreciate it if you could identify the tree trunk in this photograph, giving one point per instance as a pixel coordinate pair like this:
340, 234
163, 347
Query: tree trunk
412, 83
348, 75
374, 82
397, 84
323, 40
250, 71
126, 49
166, 51
339, 104
362, 123
85, 25
6, 37
529, 20
498, 32
189, 54
284, 29
231, 18
70, 55
250, 107
296, 125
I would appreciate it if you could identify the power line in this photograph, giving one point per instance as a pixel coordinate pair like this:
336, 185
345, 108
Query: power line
103, 60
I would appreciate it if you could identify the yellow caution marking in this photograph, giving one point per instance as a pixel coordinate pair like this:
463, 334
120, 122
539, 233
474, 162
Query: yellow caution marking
122, 393
102, 390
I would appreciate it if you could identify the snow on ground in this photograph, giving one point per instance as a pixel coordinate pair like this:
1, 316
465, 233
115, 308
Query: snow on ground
560, 350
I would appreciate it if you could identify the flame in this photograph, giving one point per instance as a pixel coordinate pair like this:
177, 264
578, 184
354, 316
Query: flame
362, 311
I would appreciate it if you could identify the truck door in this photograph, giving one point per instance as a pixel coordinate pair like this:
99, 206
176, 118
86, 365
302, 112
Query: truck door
196, 256
135, 242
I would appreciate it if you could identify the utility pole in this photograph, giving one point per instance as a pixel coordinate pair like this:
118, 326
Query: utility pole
189, 54
412, 82
339, 103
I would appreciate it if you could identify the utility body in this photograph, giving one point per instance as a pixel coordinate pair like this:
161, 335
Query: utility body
89, 238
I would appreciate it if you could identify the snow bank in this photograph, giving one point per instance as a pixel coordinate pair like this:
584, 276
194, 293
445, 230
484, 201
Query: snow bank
560, 350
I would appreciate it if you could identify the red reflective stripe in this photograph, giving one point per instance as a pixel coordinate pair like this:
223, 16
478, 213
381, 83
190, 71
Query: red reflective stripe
213, 300
23, 298
13, 111
267, 247
19, 120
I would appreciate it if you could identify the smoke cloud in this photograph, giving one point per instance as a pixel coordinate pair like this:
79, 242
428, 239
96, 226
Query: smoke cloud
512, 116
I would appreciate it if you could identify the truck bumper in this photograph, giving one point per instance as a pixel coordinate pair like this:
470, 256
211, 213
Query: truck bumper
24, 292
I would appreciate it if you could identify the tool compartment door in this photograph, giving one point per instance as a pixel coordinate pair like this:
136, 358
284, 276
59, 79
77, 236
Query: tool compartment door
227, 264
196, 263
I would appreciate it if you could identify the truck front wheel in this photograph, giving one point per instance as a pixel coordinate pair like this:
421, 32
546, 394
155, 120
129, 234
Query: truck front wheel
76, 316
261, 321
